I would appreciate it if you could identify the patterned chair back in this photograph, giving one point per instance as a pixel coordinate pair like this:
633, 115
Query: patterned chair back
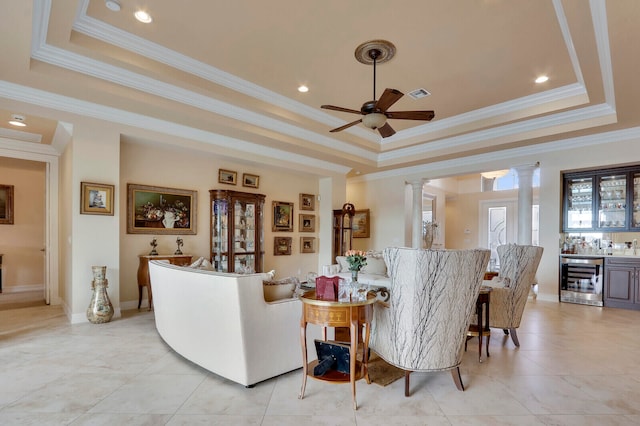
432, 295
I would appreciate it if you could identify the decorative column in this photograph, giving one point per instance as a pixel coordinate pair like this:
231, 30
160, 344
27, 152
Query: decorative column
525, 201
416, 217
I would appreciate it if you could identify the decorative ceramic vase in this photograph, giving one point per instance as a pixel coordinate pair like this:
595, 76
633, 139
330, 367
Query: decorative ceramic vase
100, 309
354, 276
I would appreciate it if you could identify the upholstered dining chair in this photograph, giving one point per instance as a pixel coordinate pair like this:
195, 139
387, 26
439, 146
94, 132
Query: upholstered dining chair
432, 294
518, 266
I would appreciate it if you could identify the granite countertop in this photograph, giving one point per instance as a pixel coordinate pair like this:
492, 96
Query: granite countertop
606, 256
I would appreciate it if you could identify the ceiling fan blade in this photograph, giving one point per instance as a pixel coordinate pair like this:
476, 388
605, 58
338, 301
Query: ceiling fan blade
386, 130
411, 115
337, 108
346, 126
388, 98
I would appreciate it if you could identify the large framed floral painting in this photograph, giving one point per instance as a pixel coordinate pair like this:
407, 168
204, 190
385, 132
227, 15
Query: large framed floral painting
156, 210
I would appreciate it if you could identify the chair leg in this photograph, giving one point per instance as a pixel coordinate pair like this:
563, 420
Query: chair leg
506, 331
406, 383
457, 379
514, 337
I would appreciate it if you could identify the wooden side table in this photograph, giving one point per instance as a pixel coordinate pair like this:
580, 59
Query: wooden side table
482, 328
143, 271
337, 314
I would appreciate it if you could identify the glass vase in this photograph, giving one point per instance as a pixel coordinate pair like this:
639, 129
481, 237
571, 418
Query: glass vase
100, 309
354, 276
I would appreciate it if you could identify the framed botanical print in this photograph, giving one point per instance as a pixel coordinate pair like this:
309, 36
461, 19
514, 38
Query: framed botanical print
96, 198
282, 216
156, 210
307, 202
307, 223
282, 246
360, 224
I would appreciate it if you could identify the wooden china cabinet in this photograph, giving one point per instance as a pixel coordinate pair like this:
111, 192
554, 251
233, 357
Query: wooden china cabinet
237, 233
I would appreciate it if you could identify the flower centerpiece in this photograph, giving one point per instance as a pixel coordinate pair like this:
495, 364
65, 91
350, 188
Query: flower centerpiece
357, 260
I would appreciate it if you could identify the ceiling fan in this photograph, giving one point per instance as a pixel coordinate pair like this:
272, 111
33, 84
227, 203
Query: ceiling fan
376, 112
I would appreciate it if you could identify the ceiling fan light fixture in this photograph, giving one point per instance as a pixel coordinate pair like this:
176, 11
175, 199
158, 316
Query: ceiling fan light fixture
374, 120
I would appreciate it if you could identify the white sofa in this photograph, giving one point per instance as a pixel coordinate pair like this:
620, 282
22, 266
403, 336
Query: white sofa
221, 322
374, 273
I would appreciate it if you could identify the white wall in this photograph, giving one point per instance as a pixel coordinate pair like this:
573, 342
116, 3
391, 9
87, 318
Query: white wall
95, 157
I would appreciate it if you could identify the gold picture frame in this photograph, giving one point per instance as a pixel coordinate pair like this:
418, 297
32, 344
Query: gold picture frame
307, 244
282, 216
361, 224
228, 177
157, 210
307, 202
250, 181
6, 204
307, 223
282, 246
96, 198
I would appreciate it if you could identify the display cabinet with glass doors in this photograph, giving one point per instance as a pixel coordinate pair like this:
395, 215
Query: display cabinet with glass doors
605, 200
237, 236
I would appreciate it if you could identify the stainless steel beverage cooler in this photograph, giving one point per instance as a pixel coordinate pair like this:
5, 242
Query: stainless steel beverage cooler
581, 279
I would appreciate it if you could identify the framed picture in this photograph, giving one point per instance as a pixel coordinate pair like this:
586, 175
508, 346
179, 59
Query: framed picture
307, 223
6, 204
307, 202
307, 245
282, 216
96, 198
250, 181
155, 210
360, 224
282, 246
227, 176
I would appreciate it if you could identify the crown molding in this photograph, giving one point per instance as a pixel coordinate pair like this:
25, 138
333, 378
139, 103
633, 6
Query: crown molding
542, 126
88, 109
94, 28
471, 163
28, 150
101, 31
20, 136
130, 42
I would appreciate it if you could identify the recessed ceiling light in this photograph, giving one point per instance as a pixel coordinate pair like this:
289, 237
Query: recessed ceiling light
17, 120
303, 89
113, 5
143, 17
541, 79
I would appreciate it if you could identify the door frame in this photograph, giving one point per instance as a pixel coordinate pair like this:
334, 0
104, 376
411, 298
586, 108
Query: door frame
48, 155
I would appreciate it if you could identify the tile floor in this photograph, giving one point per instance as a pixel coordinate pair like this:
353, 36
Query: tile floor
577, 365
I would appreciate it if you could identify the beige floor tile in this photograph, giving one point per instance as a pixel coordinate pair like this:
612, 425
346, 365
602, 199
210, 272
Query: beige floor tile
577, 365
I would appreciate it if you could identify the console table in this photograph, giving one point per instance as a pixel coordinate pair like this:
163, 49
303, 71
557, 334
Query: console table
337, 314
482, 327
143, 271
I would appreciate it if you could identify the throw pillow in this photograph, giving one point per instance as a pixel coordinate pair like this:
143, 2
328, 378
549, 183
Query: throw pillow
202, 263
342, 261
279, 289
197, 263
375, 266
